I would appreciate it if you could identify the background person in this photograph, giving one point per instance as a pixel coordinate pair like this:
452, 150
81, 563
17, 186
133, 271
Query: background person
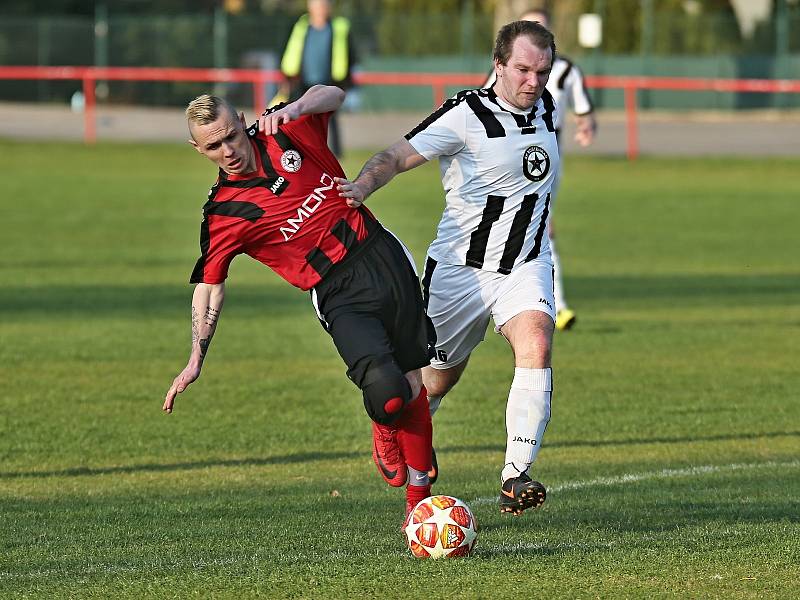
319, 51
569, 92
498, 157
274, 201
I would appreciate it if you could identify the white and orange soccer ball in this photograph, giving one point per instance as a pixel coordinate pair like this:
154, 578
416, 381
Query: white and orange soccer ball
441, 526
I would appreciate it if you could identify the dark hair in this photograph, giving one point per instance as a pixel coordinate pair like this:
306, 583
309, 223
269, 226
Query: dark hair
508, 34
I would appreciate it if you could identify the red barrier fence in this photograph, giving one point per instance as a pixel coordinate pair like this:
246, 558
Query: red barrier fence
438, 83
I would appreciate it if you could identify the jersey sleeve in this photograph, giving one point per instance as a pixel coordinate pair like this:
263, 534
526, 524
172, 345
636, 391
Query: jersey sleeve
443, 133
310, 129
219, 245
578, 96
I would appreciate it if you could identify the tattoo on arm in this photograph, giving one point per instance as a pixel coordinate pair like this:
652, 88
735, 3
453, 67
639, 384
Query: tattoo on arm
204, 344
378, 170
195, 326
210, 320
211, 317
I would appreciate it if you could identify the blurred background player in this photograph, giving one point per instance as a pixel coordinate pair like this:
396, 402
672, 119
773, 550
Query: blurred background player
569, 92
273, 177
320, 51
498, 157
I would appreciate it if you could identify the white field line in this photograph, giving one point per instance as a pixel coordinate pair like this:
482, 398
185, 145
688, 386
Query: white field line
662, 474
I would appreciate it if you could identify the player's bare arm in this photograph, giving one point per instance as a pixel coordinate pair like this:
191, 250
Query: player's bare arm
318, 99
585, 128
378, 171
207, 303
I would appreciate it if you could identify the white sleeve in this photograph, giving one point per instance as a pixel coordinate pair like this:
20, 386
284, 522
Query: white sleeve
576, 92
443, 133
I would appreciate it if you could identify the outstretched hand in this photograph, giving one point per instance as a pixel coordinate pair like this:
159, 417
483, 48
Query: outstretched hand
585, 130
351, 190
268, 124
179, 384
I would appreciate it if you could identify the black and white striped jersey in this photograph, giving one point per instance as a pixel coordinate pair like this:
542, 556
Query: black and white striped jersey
498, 164
567, 87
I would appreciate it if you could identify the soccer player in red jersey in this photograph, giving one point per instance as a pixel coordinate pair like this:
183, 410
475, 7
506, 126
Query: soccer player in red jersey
275, 200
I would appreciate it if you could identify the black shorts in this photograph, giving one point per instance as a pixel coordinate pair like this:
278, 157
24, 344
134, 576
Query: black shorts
371, 305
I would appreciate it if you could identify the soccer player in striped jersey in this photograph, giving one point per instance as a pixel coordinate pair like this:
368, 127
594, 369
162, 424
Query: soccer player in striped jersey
274, 200
498, 157
569, 92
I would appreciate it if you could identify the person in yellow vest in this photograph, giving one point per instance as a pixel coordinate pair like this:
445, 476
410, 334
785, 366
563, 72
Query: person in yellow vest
319, 51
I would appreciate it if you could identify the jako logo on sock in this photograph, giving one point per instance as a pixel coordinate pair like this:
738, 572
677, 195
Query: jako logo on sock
524, 440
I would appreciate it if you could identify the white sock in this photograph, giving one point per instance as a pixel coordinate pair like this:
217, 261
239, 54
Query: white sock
433, 403
527, 415
558, 284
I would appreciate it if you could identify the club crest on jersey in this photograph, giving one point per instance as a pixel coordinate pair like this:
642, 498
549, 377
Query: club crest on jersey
535, 163
291, 161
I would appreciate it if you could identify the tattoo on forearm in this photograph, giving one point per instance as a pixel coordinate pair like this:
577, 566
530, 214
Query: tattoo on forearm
204, 344
211, 317
209, 320
378, 170
195, 326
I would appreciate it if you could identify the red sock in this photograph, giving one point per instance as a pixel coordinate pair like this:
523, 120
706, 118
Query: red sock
415, 434
415, 493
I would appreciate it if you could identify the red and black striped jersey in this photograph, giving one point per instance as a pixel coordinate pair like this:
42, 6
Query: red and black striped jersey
288, 214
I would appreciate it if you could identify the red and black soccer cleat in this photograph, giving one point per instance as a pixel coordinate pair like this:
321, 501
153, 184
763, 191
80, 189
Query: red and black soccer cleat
387, 455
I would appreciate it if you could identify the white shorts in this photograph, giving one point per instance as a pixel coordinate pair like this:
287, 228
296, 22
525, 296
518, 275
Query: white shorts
460, 300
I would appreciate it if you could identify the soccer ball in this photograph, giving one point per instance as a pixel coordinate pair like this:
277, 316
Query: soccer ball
441, 526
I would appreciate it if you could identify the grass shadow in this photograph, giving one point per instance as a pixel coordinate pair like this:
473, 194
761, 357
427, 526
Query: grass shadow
627, 442
311, 457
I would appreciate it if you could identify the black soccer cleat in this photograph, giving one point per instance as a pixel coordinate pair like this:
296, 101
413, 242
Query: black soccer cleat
521, 493
433, 474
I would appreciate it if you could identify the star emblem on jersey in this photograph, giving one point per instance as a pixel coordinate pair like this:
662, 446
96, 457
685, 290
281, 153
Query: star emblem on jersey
291, 161
535, 163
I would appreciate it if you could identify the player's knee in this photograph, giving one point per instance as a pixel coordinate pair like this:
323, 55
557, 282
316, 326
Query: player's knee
537, 357
534, 348
386, 391
541, 351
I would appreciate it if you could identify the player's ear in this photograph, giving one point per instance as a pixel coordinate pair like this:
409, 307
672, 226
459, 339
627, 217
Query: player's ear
241, 118
497, 66
191, 139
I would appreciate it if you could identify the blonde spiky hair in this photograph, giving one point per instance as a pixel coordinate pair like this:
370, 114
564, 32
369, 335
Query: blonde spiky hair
206, 109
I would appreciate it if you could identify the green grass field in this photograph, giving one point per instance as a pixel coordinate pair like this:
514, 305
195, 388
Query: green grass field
672, 457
